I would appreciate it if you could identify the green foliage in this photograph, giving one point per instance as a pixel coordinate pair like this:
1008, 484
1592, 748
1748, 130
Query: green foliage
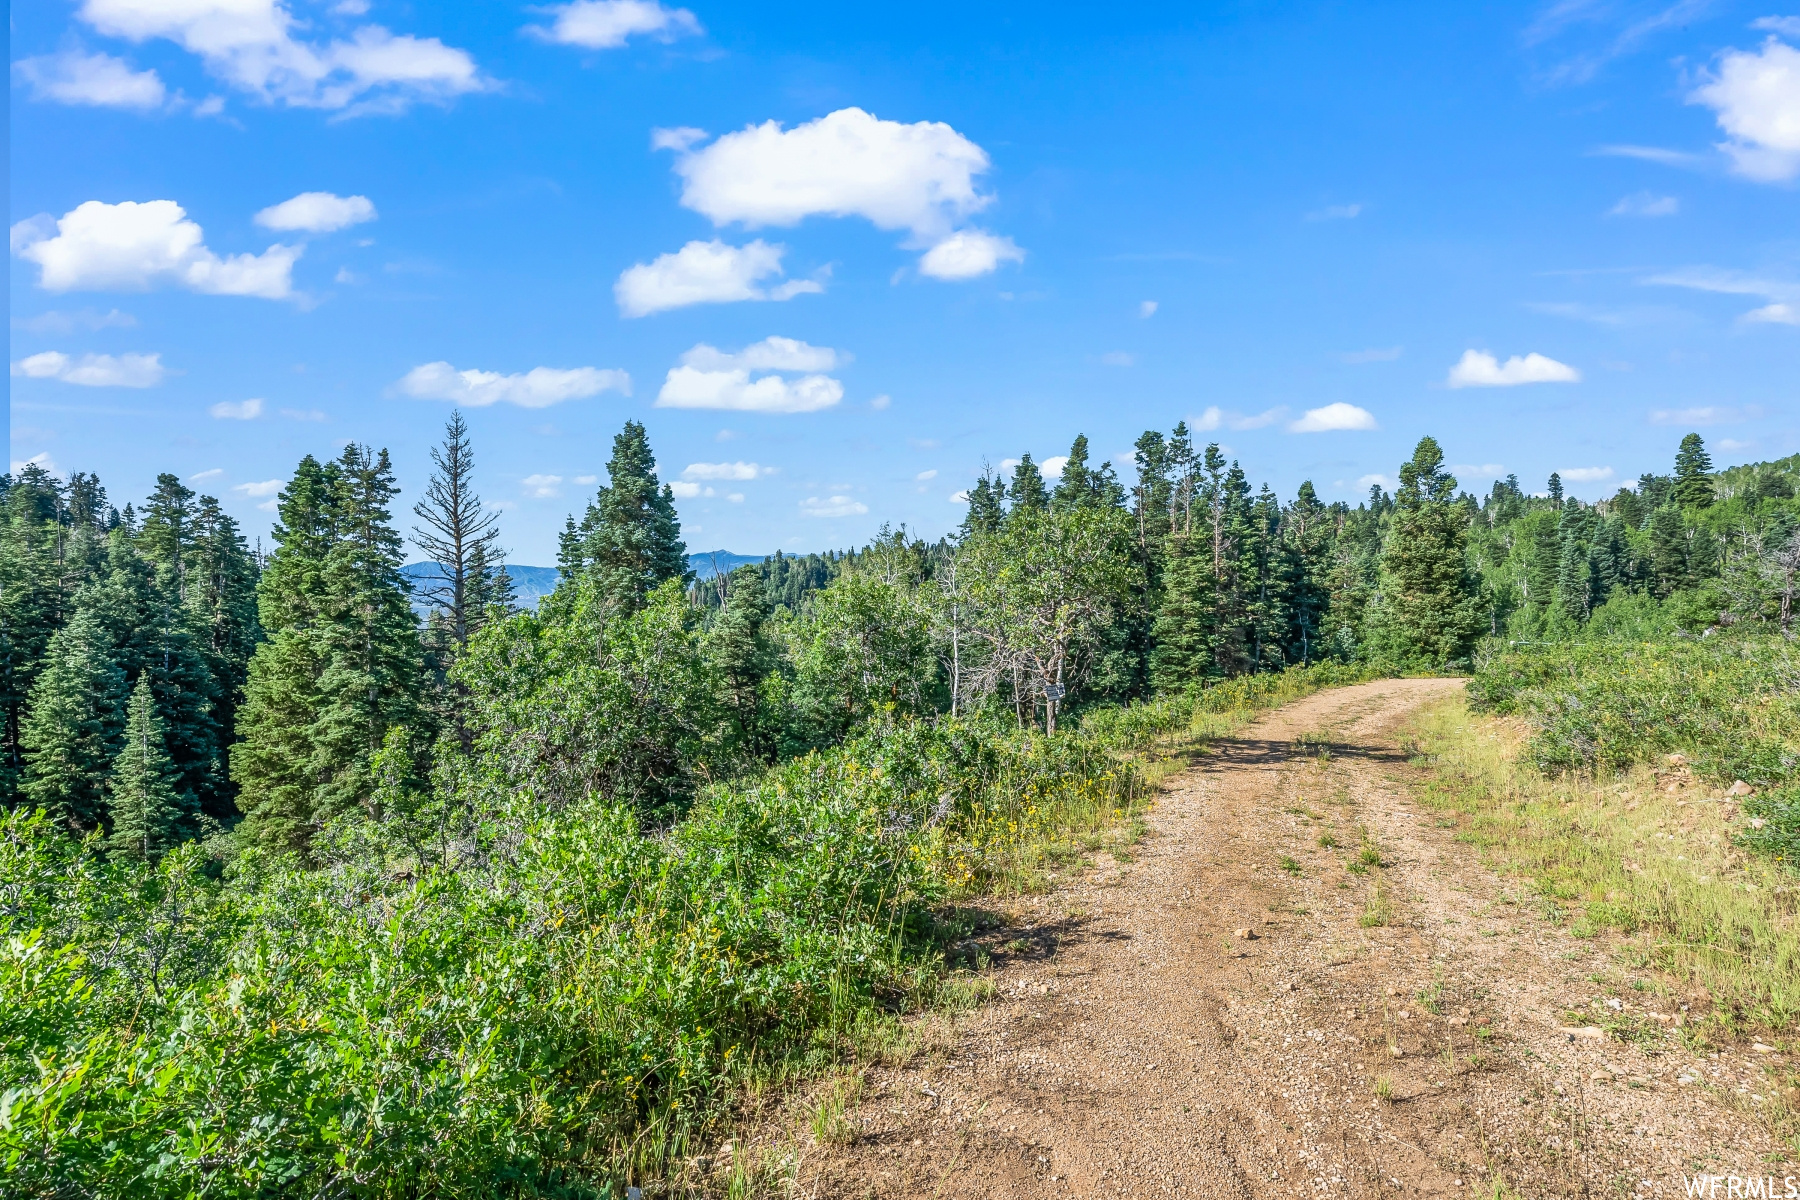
71, 733
1428, 612
148, 815
630, 539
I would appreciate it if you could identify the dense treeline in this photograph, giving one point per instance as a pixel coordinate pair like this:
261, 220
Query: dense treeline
303, 895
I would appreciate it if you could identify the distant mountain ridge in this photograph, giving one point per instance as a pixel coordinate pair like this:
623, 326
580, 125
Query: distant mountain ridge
532, 584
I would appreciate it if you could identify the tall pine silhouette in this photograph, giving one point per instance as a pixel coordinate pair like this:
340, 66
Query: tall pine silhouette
149, 816
629, 541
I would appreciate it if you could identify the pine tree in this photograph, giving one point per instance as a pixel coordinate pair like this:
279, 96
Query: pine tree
1693, 474
148, 816
459, 538
33, 605
1556, 489
1185, 628
1306, 530
1428, 593
1027, 490
1669, 567
630, 538
1574, 575
987, 505
167, 535
742, 657
70, 734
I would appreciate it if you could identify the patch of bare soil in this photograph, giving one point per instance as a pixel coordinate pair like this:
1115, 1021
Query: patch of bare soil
1395, 1031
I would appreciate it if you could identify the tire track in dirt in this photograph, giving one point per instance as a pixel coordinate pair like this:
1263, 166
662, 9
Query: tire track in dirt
1139, 1047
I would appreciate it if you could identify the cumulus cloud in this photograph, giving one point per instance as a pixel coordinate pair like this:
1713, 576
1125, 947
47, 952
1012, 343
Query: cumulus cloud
1146, 309
706, 273
1052, 467
539, 387
543, 487
1787, 25
92, 80
317, 212
1477, 368
1217, 418
1332, 418
920, 178
1755, 97
1773, 314
730, 470
134, 246
1586, 474
1368, 481
608, 24
923, 476
251, 45
270, 488
94, 370
237, 410
832, 506
1645, 204
684, 490
968, 253
708, 377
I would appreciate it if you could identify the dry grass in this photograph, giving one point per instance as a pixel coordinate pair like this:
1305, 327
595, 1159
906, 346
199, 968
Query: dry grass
1642, 855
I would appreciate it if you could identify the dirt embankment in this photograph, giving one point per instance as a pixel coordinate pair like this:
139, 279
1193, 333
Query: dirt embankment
1390, 1030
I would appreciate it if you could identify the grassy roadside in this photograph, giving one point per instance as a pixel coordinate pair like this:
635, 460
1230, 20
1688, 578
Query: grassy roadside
1646, 853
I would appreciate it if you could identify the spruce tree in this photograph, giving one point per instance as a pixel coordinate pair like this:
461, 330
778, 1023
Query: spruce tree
1428, 592
1183, 635
458, 537
1670, 570
741, 657
33, 605
1306, 530
70, 735
1574, 576
1556, 490
1027, 489
987, 505
149, 817
1693, 474
630, 539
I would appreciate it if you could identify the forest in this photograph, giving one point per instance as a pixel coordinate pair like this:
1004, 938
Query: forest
304, 894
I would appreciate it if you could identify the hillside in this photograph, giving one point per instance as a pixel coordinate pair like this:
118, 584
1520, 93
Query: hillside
531, 584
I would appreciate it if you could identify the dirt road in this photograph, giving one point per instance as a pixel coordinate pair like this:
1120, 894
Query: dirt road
1394, 1031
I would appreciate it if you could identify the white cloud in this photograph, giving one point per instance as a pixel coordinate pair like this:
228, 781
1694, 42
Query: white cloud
735, 497
706, 273
268, 487
730, 470
203, 476
1332, 418
677, 139
134, 246
1146, 309
539, 387
250, 44
1783, 294
1216, 418
69, 322
94, 370
1052, 467
95, 80
1478, 368
1755, 96
237, 410
587, 479
683, 490
961, 497
968, 253
687, 387
1586, 474
1336, 212
711, 378
317, 212
770, 354
922, 476
1645, 204
543, 487
1787, 25
1731, 445
1369, 481
849, 163
1379, 354
1482, 470
879, 403
832, 506
37, 460
1772, 314
606, 24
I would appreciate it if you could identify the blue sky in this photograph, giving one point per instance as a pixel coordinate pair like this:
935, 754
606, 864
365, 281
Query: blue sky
835, 258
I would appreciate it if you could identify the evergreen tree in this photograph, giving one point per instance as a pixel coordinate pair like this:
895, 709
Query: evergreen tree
742, 658
148, 815
1574, 576
167, 534
70, 734
1428, 594
1152, 498
1556, 489
1307, 530
1544, 561
1669, 566
987, 505
459, 537
1693, 474
1184, 632
630, 538
1027, 490
32, 606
